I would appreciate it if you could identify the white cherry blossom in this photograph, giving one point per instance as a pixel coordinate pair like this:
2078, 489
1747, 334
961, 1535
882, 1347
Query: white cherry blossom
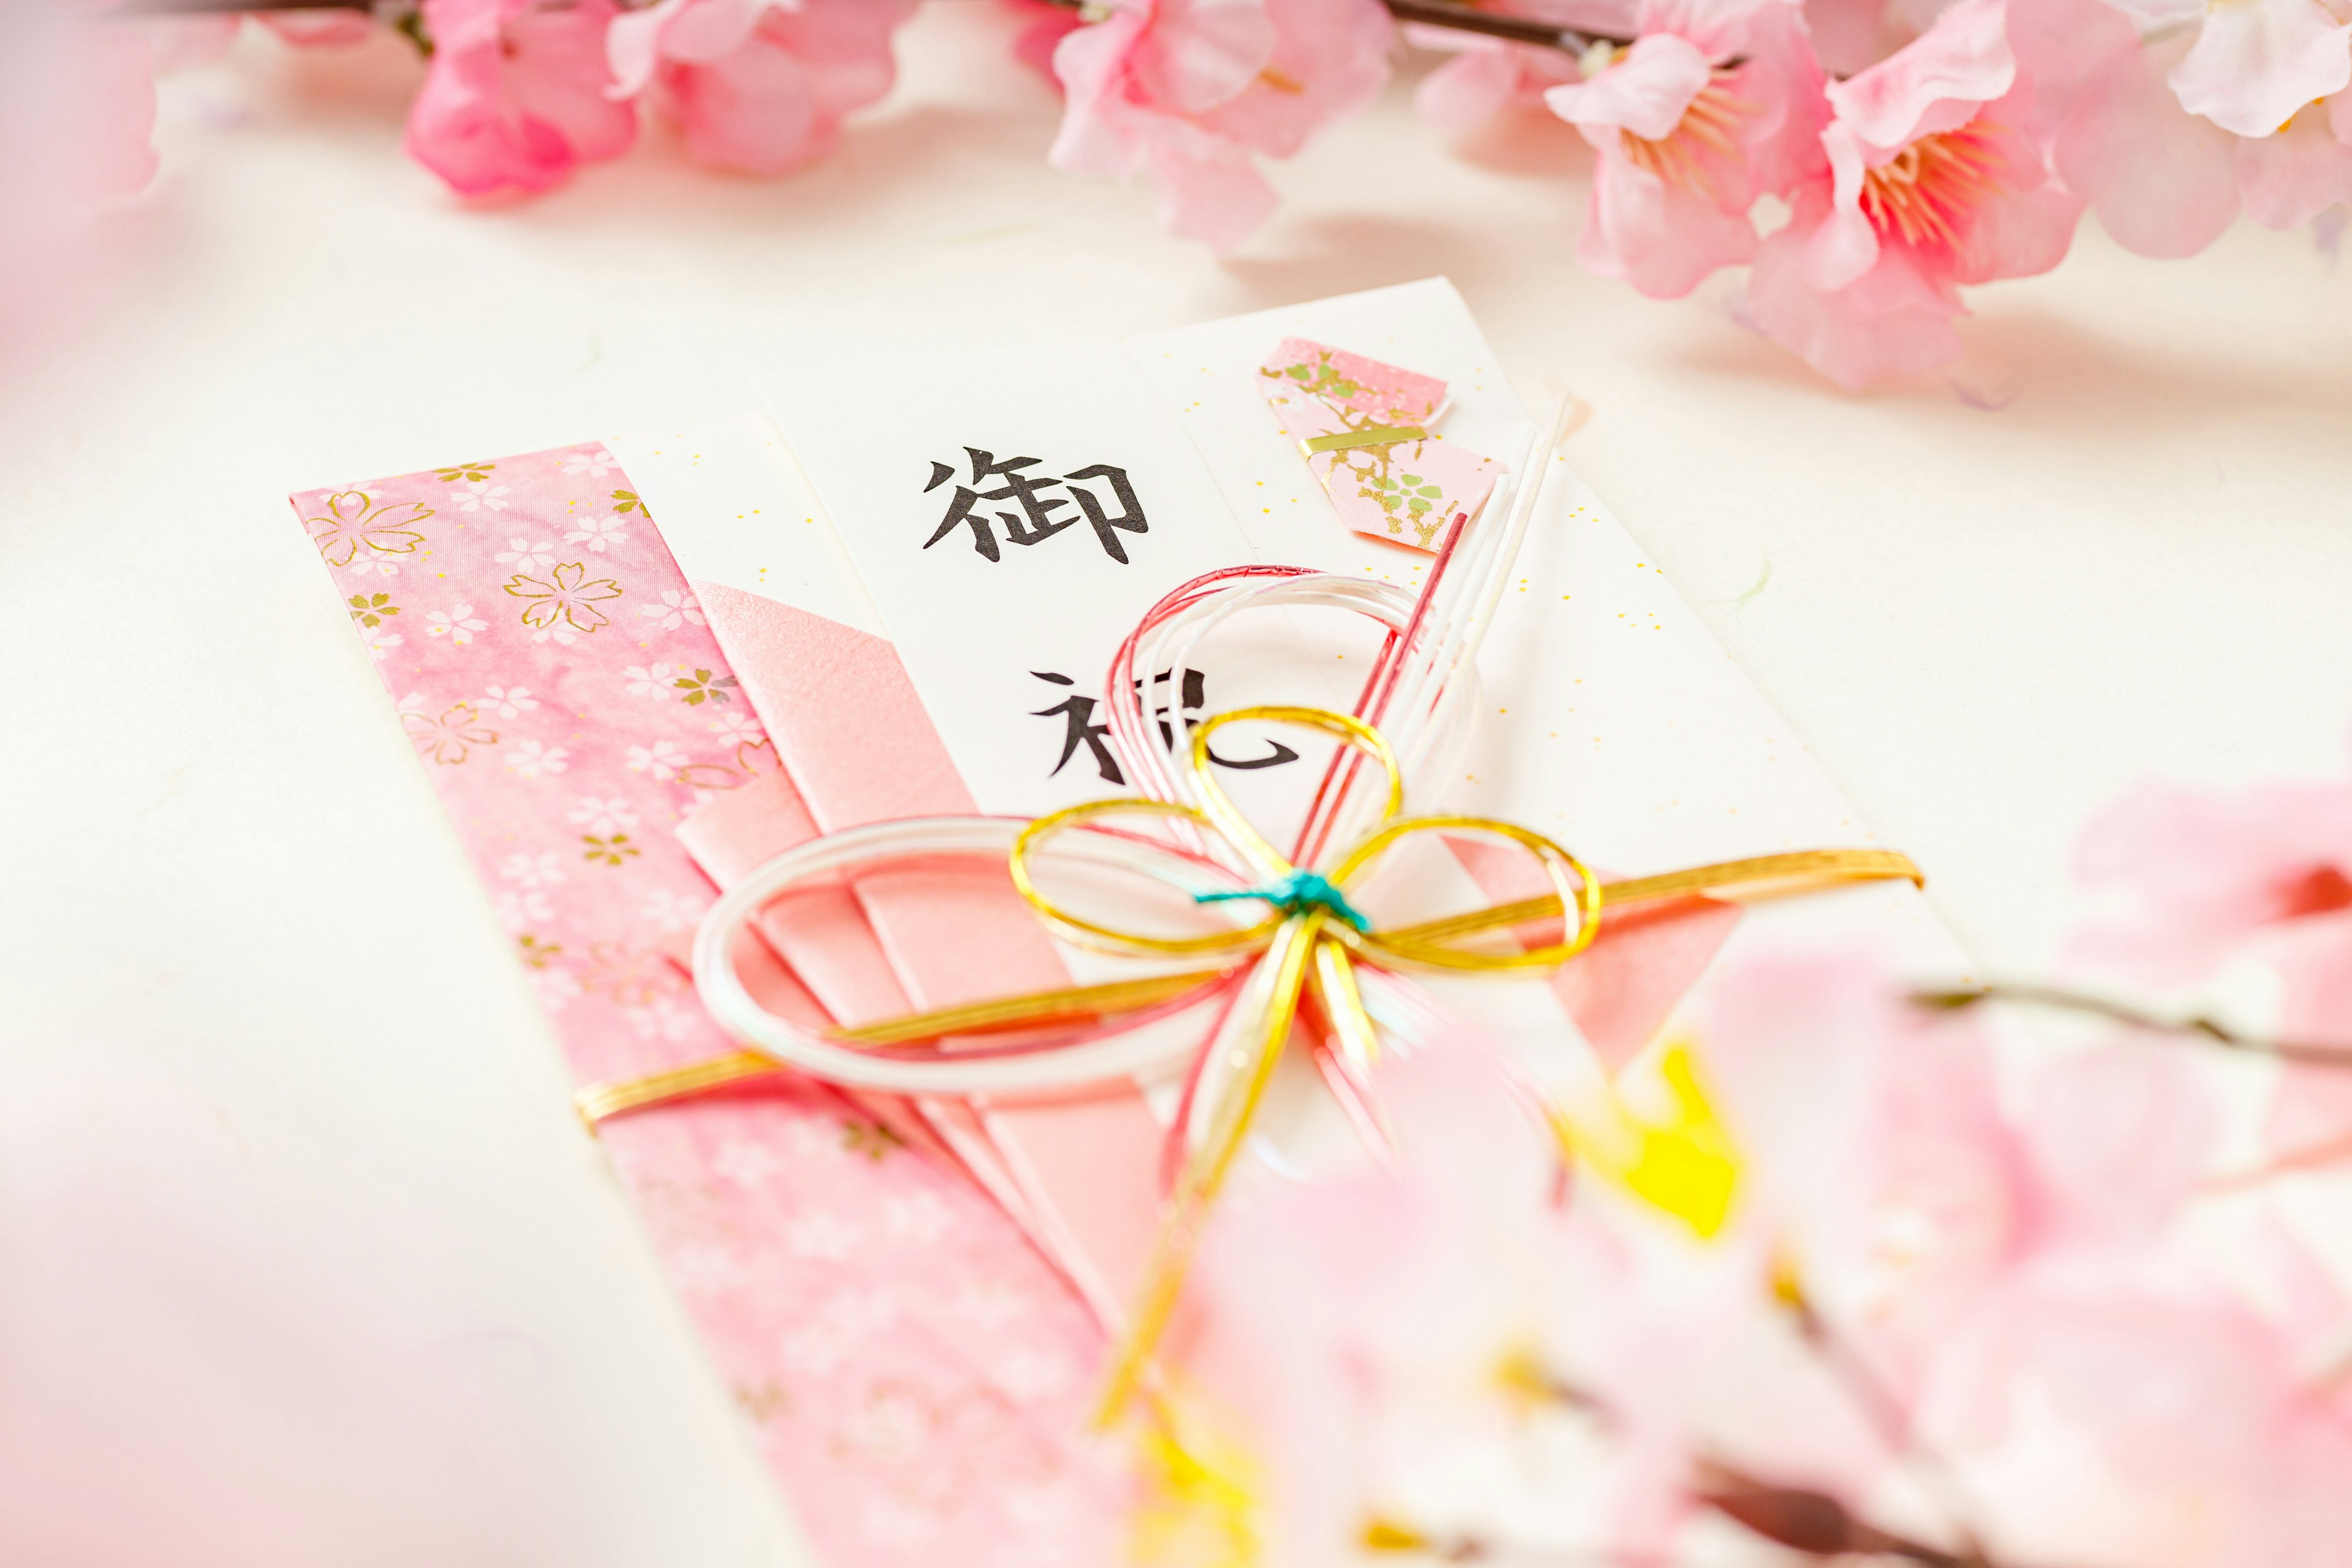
602, 817
592, 462
597, 532
674, 610
662, 759
542, 870
456, 623
480, 495
507, 701
525, 556
651, 680
531, 757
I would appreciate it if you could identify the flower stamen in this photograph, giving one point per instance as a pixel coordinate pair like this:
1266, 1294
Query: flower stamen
1924, 193
1707, 126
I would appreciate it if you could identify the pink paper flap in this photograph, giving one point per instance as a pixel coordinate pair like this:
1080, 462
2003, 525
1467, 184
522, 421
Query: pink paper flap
911, 1373
861, 749
1620, 990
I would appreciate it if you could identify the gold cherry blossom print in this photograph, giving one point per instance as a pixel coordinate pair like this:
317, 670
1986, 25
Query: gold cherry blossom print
353, 522
448, 738
565, 596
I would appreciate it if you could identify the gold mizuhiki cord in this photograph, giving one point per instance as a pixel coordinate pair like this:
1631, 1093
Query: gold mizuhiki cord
1307, 944
1370, 436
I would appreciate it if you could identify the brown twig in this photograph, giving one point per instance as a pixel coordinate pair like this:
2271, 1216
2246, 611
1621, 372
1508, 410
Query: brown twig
1453, 13
2199, 1027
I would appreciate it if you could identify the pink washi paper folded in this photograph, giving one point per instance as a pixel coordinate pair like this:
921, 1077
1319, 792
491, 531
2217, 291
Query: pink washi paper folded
861, 749
1364, 428
911, 1370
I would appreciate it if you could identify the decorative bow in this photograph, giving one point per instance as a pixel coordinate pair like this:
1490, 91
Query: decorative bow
1305, 949
1308, 944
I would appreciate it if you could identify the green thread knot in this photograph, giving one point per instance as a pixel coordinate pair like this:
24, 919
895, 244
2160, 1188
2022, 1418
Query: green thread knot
1296, 894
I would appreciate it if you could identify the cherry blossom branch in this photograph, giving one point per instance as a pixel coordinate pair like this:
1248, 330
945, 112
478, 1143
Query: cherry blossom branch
1464, 18
1450, 13
1467, 18
2199, 1027
1801, 1518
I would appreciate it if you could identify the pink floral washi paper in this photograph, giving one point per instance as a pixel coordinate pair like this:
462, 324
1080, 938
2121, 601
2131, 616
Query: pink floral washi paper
1404, 489
911, 1369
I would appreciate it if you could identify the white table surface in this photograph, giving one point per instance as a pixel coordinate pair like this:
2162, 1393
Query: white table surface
267, 1077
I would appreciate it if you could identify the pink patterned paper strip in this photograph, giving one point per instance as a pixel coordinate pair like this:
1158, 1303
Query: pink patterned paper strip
1402, 491
911, 1370
1081, 1176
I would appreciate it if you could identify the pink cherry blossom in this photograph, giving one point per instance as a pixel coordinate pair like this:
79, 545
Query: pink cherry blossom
2297, 172
100, 144
2196, 877
1686, 144
318, 29
517, 95
1188, 92
1933, 180
759, 85
2254, 63
1486, 76
1047, 26
2005, 1250
2162, 181
2193, 878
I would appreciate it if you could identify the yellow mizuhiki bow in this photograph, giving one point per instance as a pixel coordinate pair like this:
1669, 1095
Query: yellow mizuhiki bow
1307, 945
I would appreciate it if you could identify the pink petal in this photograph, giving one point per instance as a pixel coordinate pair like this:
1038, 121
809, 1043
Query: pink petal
1844, 245
1199, 53
1468, 89
182, 42
516, 97
1096, 137
2121, 1135
1660, 238
2197, 873
318, 29
1893, 320
2291, 178
2163, 181
108, 147
2257, 61
1210, 191
1647, 92
633, 44
1330, 59
2017, 234
1933, 83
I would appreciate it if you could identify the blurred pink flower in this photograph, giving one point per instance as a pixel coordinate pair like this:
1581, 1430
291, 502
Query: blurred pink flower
2302, 168
759, 85
1187, 91
2013, 1268
109, 142
318, 29
1910, 1193
1047, 26
1486, 76
1933, 180
1687, 146
2165, 181
517, 95
2162, 181
2253, 64
2202, 877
